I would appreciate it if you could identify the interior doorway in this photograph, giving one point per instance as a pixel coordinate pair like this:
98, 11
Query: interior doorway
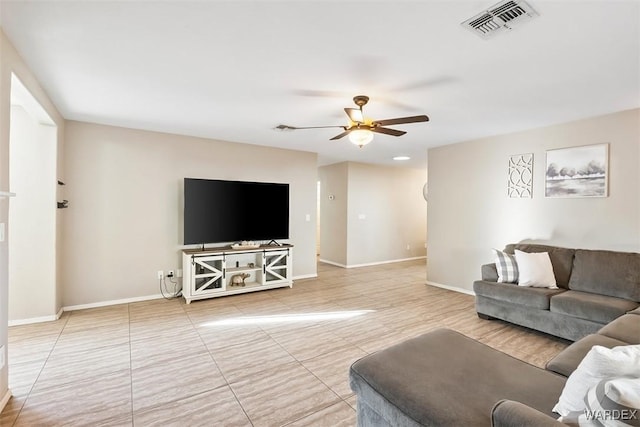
32, 212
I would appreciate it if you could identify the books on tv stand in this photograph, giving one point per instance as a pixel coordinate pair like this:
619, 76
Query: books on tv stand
219, 272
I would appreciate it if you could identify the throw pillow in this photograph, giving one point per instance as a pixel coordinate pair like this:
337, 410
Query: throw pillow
535, 270
614, 398
507, 267
612, 401
599, 363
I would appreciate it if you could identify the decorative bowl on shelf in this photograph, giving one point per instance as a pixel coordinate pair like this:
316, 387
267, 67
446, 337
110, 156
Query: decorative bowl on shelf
245, 245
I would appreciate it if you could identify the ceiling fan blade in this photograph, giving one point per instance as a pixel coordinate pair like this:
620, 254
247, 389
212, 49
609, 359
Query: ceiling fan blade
401, 120
355, 114
388, 131
343, 134
287, 127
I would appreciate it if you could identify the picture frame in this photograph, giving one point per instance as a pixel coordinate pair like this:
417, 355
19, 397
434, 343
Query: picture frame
581, 171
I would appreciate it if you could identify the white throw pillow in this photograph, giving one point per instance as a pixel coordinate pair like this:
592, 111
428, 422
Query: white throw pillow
535, 270
506, 266
610, 403
599, 363
619, 396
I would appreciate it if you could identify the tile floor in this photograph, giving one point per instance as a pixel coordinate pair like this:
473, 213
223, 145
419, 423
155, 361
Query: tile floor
272, 358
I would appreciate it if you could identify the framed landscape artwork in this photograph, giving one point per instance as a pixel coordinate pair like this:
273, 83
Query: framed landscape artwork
578, 171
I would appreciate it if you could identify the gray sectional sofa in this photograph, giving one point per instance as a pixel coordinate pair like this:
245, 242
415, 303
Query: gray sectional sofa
444, 378
595, 287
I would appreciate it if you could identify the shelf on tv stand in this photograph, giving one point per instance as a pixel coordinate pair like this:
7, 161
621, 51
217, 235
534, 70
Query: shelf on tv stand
208, 272
243, 269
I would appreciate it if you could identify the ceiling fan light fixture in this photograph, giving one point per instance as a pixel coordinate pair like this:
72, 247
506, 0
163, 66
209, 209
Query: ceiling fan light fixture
361, 137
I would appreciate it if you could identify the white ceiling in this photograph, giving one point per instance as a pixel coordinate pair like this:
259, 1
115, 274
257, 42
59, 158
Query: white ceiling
235, 70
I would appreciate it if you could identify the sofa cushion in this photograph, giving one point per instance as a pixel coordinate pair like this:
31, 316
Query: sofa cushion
584, 305
561, 259
531, 297
507, 413
635, 311
444, 378
625, 328
616, 274
568, 359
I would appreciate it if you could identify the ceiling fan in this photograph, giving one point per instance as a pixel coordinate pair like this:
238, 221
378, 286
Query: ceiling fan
360, 129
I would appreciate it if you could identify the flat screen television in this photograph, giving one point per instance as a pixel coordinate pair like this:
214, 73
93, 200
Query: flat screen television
217, 211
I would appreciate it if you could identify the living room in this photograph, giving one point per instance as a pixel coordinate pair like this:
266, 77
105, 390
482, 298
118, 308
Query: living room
123, 171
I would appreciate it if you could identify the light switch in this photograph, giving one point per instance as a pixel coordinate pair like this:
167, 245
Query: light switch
1, 231
1, 357
307, 217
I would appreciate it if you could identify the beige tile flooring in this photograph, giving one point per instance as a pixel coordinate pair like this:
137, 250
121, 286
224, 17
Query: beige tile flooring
272, 358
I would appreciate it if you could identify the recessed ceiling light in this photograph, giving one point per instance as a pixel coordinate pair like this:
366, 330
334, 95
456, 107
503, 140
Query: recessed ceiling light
401, 158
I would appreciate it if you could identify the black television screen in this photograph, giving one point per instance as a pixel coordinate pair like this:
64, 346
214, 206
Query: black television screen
217, 211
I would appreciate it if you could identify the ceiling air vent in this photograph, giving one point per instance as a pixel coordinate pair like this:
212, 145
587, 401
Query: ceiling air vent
500, 17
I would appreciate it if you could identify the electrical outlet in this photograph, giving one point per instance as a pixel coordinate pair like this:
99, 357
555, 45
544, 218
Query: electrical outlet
160, 274
178, 273
408, 247
170, 273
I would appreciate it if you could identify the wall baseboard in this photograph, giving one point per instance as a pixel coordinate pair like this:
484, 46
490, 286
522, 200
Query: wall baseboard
5, 399
159, 296
40, 319
305, 276
143, 298
111, 302
326, 261
369, 264
108, 303
452, 288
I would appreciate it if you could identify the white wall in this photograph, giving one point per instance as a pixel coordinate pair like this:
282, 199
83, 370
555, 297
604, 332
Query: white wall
394, 210
333, 212
469, 211
32, 248
11, 62
377, 212
125, 190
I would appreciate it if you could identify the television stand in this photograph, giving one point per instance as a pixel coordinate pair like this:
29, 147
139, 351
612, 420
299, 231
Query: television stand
217, 272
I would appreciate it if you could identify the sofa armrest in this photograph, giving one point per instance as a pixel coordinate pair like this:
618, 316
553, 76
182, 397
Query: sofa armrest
508, 413
489, 272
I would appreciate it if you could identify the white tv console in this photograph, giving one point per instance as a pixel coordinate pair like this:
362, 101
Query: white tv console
208, 273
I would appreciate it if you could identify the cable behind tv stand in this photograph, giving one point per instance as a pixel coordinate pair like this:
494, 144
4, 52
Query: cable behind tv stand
217, 272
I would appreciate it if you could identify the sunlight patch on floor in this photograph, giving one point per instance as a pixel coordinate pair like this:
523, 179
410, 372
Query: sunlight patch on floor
288, 318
